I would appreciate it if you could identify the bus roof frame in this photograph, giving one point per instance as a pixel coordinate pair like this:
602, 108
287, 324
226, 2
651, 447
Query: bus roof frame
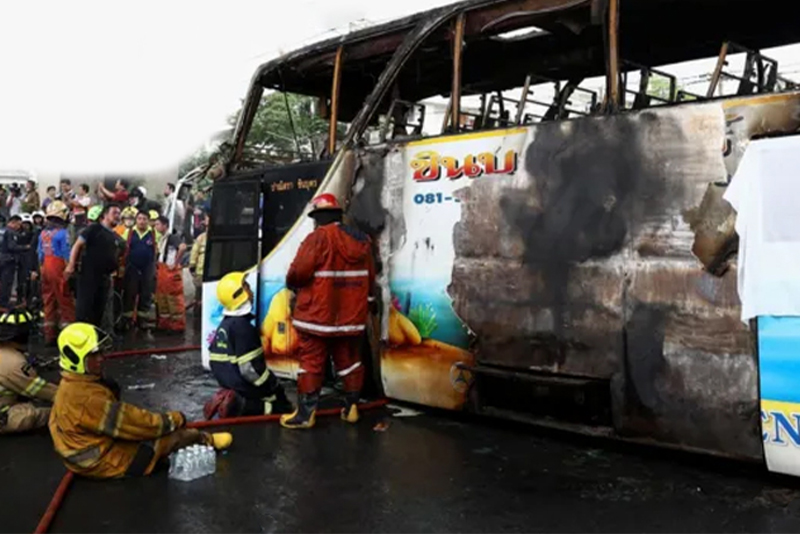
759, 27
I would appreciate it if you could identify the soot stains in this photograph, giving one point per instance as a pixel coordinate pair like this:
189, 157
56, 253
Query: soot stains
644, 356
366, 208
593, 183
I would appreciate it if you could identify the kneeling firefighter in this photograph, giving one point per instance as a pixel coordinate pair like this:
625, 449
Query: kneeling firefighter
237, 358
18, 377
333, 275
97, 434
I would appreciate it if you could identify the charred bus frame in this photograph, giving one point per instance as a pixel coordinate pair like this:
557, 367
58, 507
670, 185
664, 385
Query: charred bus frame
470, 49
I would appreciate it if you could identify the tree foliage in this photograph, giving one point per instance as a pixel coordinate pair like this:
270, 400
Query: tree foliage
273, 130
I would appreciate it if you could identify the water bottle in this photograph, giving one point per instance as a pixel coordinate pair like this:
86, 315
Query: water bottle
194, 464
202, 461
208, 454
212, 454
177, 465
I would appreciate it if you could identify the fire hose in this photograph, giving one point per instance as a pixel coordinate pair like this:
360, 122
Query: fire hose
63, 487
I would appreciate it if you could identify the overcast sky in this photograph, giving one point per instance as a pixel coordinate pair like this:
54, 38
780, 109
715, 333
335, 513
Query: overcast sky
133, 86
123, 86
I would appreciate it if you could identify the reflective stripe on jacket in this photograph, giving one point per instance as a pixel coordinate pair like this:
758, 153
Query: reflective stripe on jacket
333, 275
19, 379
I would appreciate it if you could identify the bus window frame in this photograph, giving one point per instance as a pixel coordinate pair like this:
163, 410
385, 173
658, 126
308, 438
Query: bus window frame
230, 233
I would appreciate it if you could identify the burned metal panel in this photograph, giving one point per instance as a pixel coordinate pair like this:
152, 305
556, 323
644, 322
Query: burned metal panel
690, 374
712, 220
582, 265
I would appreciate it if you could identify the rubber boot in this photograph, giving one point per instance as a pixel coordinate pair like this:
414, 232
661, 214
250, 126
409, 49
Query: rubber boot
305, 415
350, 410
220, 440
281, 404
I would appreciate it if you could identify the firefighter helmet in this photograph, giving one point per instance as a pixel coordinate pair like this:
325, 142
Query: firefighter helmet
94, 213
325, 202
58, 209
231, 291
76, 342
129, 212
15, 325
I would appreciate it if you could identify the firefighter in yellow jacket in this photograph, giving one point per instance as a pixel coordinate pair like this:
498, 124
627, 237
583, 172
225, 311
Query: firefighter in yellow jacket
18, 379
97, 434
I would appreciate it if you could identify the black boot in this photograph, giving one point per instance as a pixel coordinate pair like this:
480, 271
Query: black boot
305, 414
278, 403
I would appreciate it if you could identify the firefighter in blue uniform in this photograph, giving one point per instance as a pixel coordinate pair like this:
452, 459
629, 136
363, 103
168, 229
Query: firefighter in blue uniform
237, 359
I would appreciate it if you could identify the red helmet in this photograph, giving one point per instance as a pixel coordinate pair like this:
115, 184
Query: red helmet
325, 202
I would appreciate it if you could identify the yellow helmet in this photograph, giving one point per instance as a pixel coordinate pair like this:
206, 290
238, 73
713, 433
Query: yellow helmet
129, 212
154, 215
58, 210
76, 342
230, 291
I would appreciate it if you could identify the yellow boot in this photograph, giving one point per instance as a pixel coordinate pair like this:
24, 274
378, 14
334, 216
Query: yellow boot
350, 410
305, 415
221, 440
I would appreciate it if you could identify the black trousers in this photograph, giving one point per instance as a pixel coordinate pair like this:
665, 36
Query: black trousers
92, 294
8, 271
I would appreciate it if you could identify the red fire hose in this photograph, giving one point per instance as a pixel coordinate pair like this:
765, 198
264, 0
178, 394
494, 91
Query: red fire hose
55, 504
271, 418
58, 497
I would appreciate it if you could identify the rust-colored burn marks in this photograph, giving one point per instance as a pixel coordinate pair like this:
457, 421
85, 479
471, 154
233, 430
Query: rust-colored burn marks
582, 265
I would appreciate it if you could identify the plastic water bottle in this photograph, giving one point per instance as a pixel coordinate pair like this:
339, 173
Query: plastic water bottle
212, 454
177, 465
207, 456
192, 463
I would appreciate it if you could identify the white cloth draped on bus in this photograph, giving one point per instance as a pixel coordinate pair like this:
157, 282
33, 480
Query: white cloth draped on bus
765, 192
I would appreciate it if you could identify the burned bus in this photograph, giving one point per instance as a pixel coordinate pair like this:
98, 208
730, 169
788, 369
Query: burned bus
545, 205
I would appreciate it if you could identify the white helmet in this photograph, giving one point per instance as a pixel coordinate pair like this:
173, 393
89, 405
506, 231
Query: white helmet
143, 190
26, 217
38, 214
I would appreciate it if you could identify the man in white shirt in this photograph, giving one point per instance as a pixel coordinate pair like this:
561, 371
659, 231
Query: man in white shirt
171, 199
80, 205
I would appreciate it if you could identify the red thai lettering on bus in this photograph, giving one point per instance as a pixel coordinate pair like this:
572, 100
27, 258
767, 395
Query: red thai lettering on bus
430, 166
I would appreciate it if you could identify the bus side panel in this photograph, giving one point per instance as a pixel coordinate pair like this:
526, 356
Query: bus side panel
427, 345
582, 265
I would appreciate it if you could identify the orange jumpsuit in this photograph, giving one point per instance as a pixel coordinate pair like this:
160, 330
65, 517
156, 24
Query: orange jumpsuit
99, 436
333, 274
170, 301
58, 302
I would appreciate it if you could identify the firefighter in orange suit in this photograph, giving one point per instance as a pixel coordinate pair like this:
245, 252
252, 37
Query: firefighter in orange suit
333, 275
19, 379
54, 250
95, 433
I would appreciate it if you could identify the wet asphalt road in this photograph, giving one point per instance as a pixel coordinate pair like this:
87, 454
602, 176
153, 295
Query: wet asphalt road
433, 472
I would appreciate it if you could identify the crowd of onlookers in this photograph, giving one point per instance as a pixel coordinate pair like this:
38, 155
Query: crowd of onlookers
109, 256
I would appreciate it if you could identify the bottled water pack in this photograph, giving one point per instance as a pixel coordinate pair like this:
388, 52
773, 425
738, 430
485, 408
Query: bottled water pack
192, 462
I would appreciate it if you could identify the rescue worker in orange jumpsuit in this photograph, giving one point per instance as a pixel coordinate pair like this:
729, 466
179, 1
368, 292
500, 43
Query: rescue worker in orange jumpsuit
333, 275
95, 433
170, 300
18, 378
54, 250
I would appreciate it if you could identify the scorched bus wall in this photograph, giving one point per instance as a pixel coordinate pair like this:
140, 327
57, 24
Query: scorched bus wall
580, 261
